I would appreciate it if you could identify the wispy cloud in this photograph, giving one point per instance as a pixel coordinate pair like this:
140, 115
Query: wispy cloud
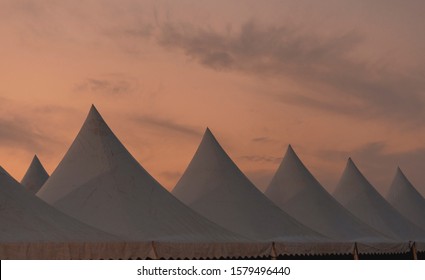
262, 139
257, 158
334, 78
379, 162
20, 133
108, 86
167, 125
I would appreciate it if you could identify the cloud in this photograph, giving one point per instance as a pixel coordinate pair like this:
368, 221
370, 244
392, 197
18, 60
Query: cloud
167, 125
20, 133
54, 109
107, 86
256, 158
333, 76
262, 139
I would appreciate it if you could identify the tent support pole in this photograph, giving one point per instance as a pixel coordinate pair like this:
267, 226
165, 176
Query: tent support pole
415, 253
154, 251
356, 252
273, 255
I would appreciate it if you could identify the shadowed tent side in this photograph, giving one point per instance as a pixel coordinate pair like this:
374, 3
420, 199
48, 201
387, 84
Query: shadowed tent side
35, 176
32, 229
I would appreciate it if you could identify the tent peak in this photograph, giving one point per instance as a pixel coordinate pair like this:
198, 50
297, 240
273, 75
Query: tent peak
351, 164
94, 112
291, 151
208, 135
36, 159
208, 132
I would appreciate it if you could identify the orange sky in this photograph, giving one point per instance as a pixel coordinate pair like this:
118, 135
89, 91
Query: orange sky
334, 79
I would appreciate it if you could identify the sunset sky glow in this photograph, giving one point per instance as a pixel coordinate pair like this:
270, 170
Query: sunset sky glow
334, 78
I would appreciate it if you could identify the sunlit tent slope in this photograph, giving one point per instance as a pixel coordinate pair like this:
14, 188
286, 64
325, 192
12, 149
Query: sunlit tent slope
30, 228
35, 176
100, 183
215, 187
356, 194
406, 199
295, 190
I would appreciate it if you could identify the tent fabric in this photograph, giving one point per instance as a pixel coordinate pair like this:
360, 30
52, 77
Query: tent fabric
101, 184
76, 250
296, 191
35, 176
357, 195
406, 199
129, 250
215, 187
26, 218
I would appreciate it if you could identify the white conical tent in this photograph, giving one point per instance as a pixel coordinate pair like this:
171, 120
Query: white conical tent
406, 199
99, 182
357, 195
215, 187
30, 228
295, 190
35, 176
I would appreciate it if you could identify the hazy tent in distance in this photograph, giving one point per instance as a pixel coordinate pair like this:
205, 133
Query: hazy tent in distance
35, 176
32, 229
216, 188
100, 183
356, 194
406, 199
295, 190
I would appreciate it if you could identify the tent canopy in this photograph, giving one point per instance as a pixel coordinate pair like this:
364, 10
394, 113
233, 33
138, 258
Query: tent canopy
35, 176
26, 218
216, 188
99, 182
356, 194
295, 190
406, 199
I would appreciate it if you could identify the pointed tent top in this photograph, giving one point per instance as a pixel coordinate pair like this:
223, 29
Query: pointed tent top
209, 135
406, 199
94, 113
358, 195
35, 158
35, 176
352, 170
99, 182
399, 172
290, 153
36, 161
295, 190
210, 143
214, 186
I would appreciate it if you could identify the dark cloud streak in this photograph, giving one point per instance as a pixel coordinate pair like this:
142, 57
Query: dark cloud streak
20, 133
334, 79
167, 125
114, 86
